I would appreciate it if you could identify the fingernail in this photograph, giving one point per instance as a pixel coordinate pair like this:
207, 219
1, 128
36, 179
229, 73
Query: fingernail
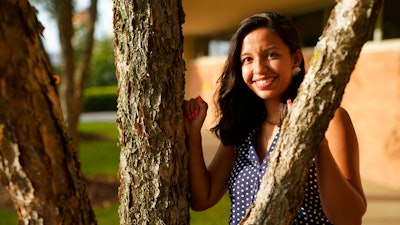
200, 99
196, 113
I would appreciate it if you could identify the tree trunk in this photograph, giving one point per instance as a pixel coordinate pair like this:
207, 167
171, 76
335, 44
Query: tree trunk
82, 70
335, 55
148, 48
38, 164
74, 67
63, 15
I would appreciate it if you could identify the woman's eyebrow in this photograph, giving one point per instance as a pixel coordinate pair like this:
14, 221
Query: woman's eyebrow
264, 50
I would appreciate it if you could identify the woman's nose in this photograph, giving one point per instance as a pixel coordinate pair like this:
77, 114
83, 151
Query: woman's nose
260, 66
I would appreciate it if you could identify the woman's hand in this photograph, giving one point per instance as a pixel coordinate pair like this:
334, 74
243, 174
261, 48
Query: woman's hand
289, 104
195, 111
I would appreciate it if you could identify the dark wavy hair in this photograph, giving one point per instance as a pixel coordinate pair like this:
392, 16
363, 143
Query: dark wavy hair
239, 109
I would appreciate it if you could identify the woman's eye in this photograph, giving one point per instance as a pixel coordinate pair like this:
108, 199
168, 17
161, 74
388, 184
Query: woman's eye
246, 60
272, 55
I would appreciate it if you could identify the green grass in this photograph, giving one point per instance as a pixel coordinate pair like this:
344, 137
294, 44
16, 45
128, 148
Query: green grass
105, 128
104, 216
100, 157
8, 217
107, 215
218, 214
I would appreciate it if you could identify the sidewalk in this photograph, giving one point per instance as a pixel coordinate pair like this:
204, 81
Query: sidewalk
98, 117
383, 204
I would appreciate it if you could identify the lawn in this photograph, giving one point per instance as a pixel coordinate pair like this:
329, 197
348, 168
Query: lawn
98, 149
99, 156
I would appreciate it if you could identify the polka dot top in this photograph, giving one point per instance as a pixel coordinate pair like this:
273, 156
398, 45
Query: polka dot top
246, 177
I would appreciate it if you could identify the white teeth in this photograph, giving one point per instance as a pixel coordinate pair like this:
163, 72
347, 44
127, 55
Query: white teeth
264, 81
261, 82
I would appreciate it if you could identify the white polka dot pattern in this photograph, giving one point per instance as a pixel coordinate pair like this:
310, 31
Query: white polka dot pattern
245, 180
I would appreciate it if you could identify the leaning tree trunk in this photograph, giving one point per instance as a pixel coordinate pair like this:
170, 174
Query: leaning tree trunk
148, 50
38, 164
335, 55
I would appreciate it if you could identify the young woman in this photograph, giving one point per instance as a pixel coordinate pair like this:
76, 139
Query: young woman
263, 71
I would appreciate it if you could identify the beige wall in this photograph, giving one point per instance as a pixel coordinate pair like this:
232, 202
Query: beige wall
372, 98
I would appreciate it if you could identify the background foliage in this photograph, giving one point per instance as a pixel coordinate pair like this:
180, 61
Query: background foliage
101, 98
102, 68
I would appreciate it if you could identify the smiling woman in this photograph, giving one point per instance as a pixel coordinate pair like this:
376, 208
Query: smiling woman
263, 71
267, 64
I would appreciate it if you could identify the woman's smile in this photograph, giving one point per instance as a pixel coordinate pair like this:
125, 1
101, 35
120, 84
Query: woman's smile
266, 63
264, 82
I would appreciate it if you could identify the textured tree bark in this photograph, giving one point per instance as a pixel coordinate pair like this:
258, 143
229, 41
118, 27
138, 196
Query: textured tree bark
38, 164
349, 27
148, 50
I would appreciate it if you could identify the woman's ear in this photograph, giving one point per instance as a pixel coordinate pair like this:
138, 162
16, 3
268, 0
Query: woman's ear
297, 58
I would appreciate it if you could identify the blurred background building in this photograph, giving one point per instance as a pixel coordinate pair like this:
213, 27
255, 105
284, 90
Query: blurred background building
371, 97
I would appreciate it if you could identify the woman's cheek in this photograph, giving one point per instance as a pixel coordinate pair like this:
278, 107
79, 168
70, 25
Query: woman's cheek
246, 74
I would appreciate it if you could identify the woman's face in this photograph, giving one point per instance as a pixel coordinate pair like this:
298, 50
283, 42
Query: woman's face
267, 63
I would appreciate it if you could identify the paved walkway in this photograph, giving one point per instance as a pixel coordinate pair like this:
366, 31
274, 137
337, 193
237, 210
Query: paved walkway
383, 201
98, 116
383, 204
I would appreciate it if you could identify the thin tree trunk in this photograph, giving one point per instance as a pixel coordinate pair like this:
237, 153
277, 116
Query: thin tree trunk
63, 14
148, 50
82, 69
38, 164
73, 72
335, 56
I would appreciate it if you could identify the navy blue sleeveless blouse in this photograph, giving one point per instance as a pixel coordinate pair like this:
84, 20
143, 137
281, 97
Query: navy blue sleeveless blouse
246, 177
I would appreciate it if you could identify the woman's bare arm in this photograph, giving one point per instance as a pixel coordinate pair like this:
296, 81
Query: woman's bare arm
207, 185
339, 179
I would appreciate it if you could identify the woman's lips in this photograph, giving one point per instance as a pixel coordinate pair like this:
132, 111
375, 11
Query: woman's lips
264, 82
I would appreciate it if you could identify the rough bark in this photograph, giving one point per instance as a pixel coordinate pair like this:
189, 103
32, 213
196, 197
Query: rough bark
348, 28
148, 50
38, 164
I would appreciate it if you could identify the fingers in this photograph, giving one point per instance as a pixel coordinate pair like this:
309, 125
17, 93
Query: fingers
192, 110
193, 107
284, 109
289, 103
200, 100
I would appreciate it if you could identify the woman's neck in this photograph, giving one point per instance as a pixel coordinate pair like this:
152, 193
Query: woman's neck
273, 111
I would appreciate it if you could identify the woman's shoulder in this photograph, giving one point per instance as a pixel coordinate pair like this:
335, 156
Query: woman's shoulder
341, 129
342, 117
340, 111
